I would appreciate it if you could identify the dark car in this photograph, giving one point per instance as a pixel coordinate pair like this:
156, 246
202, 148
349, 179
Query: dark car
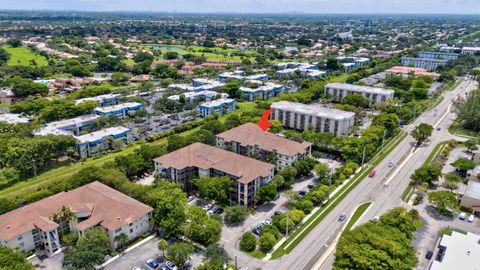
219, 210
311, 186
302, 192
429, 255
277, 213
276, 197
160, 259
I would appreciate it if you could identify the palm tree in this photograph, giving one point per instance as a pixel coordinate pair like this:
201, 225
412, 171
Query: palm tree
162, 245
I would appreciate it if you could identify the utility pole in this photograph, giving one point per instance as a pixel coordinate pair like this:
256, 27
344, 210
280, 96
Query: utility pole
383, 139
363, 156
329, 185
236, 264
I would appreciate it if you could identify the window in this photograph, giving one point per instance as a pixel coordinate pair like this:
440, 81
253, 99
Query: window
130, 224
118, 230
131, 230
19, 238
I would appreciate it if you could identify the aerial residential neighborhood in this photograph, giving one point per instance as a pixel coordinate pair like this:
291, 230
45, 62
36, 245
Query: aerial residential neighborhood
240, 135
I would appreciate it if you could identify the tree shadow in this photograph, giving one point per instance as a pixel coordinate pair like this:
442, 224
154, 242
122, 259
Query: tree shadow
433, 213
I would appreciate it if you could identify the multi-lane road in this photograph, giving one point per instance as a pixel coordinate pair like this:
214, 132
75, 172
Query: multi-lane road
384, 190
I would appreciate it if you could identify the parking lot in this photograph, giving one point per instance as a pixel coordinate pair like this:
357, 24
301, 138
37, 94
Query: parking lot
139, 256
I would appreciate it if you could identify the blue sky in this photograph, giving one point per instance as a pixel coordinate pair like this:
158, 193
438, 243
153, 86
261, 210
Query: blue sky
256, 6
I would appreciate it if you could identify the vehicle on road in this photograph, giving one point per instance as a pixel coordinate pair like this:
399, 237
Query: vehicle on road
342, 217
372, 174
170, 265
390, 164
471, 218
376, 218
462, 216
152, 263
429, 255
311, 186
439, 128
435, 114
207, 207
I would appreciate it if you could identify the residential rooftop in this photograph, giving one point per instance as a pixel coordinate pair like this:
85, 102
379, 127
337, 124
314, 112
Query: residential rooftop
361, 88
217, 102
473, 189
312, 109
462, 252
98, 135
119, 107
99, 98
251, 134
103, 205
208, 157
57, 126
12, 118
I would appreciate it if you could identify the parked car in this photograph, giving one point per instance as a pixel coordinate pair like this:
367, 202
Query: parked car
302, 192
219, 211
212, 210
311, 186
170, 265
429, 255
277, 213
191, 198
152, 263
160, 259
276, 197
257, 230
136, 268
372, 174
207, 207
462, 216
342, 217
435, 114
471, 218
267, 222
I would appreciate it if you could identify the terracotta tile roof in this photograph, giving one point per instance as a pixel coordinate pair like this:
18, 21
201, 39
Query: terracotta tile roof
250, 134
205, 157
107, 207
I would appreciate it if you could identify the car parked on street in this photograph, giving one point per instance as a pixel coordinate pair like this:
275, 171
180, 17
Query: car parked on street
471, 218
429, 255
462, 216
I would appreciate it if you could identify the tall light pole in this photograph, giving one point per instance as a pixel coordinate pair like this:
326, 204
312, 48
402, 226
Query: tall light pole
383, 139
363, 156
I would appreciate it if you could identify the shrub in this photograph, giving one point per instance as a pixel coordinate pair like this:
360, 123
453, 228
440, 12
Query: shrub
248, 242
266, 242
235, 214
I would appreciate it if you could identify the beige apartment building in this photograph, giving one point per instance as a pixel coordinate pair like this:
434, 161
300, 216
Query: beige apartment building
201, 160
249, 140
32, 227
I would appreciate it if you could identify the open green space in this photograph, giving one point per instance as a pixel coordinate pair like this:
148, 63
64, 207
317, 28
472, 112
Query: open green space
358, 213
216, 53
23, 56
295, 238
449, 230
457, 129
257, 254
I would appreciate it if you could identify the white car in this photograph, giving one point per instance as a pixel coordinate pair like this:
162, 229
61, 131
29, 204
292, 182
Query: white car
267, 222
390, 164
207, 207
462, 216
471, 218
376, 218
170, 265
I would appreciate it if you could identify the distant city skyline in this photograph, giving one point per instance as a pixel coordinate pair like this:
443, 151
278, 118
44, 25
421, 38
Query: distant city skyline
256, 6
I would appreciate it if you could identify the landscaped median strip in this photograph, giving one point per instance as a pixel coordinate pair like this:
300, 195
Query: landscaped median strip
286, 245
357, 215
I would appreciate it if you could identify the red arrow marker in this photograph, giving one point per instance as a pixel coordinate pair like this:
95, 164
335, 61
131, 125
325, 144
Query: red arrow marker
264, 124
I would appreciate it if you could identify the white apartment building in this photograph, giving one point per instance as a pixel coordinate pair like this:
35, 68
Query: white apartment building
337, 91
470, 50
301, 116
32, 227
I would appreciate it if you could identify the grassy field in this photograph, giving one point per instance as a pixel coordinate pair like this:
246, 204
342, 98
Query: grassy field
18, 190
358, 213
216, 53
457, 129
22, 56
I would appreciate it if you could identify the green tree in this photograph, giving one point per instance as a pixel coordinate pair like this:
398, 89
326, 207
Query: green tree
422, 132
267, 193
266, 242
180, 253
232, 120
248, 242
464, 164
425, 174
122, 240
210, 265
442, 200
356, 100
216, 253
235, 213
332, 64
322, 170
276, 127
6, 206
471, 144
13, 260
232, 88
14, 42
4, 56
216, 188
170, 213
89, 251
200, 227
289, 173
162, 245
467, 110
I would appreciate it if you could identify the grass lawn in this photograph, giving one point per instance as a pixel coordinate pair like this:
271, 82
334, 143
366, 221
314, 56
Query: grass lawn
339, 79
457, 129
358, 213
449, 231
129, 62
257, 254
22, 56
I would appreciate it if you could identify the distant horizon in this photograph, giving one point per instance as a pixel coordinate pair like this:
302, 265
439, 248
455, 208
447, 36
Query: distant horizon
373, 7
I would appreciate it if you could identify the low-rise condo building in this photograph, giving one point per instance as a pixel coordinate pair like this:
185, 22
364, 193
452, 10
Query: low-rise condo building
197, 160
301, 116
219, 106
337, 91
249, 140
